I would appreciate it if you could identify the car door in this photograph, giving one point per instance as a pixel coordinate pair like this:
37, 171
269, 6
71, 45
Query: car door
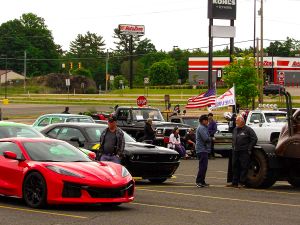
11, 170
258, 123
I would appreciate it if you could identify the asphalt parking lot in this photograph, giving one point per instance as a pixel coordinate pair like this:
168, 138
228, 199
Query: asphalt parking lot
177, 201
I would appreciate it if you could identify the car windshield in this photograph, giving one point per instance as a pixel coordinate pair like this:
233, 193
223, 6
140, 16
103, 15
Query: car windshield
193, 122
94, 134
54, 152
19, 131
275, 117
143, 114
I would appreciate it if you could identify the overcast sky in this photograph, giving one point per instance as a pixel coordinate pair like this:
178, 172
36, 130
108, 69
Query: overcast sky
168, 23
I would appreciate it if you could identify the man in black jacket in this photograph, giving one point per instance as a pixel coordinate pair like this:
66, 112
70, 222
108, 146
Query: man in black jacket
243, 141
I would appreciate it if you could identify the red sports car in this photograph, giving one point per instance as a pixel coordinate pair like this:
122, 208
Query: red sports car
48, 171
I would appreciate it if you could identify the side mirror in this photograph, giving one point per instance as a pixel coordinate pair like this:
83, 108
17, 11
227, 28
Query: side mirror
255, 121
10, 155
92, 155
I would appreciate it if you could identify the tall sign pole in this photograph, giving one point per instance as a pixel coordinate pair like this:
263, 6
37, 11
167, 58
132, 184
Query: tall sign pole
131, 30
220, 10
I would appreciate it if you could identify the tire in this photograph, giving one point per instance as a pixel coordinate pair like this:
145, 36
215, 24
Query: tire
157, 180
35, 190
294, 181
259, 173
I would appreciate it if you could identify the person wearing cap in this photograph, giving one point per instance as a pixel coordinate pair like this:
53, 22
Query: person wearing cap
112, 142
149, 132
203, 147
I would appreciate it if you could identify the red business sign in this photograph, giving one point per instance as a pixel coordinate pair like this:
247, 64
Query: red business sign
201, 82
141, 101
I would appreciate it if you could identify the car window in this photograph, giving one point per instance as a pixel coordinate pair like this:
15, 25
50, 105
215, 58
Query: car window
94, 134
53, 133
57, 120
54, 151
69, 132
44, 122
175, 120
257, 116
275, 117
9, 146
19, 131
80, 120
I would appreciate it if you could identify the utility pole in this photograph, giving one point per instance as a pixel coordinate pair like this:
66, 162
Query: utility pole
25, 68
261, 52
106, 70
254, 27
130, 61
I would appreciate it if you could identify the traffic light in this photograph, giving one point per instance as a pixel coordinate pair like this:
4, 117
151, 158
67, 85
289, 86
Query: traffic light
79, 65
71, 65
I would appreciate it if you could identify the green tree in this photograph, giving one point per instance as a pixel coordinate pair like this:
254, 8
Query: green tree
144, 47
29, 34
122, 42
83, 72
117, 80
242, 73
163, 73
290, 47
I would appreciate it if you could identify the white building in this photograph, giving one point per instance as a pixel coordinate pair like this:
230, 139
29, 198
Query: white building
11, 76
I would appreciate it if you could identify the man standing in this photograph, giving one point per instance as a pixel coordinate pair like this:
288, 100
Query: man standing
203, 143
112, 142
212, 129
243, 141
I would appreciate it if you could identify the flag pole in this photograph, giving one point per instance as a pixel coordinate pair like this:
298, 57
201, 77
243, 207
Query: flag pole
234, 98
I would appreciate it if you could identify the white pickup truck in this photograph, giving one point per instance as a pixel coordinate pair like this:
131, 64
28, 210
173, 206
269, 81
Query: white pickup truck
267, 124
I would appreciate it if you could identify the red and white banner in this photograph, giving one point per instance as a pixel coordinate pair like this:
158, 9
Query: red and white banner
226, 99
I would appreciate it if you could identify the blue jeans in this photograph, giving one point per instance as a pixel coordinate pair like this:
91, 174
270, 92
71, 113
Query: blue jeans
203, 162
111, 158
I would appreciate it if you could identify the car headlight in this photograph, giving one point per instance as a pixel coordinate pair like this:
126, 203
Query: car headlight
63, 171
159, 131
125, 172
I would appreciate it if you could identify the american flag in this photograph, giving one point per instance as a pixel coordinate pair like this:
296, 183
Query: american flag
205, 99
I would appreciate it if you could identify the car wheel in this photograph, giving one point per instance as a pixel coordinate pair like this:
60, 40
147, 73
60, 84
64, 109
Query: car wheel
259, 173
35, 190
157, 180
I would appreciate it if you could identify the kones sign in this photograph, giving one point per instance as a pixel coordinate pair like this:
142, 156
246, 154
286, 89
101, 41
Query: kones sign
130, 29
222, 9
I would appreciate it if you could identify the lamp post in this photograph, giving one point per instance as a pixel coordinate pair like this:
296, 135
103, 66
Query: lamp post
5, 87
106, 70
5, 77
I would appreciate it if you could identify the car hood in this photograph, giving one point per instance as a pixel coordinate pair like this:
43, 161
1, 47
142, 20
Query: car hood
140, 147
104, 172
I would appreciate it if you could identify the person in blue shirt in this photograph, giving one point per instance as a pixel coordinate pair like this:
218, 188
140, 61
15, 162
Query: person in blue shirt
203, 147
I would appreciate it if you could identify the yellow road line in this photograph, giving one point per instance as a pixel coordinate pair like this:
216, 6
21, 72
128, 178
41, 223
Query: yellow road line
43, 212
220, 198
171, 207
250, 189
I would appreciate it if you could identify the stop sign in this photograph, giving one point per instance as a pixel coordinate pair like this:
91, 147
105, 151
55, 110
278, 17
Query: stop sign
141, 101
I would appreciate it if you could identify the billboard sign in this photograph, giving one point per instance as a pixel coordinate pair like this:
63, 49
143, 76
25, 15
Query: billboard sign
130, 29
222, 9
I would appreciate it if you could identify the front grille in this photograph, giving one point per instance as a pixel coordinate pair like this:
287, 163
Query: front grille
74, 191
155, 157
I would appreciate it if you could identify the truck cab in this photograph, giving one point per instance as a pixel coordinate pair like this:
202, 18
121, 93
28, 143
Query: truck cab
267, 124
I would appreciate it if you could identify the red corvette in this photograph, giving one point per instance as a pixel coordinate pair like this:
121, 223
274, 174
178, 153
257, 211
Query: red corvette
48, 171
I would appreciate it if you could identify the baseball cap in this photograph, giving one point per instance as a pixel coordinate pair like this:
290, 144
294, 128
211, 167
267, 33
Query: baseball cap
203, 117
112, 119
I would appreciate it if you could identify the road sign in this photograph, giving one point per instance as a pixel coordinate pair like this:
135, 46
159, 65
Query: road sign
141, 101
146, 80
68, 82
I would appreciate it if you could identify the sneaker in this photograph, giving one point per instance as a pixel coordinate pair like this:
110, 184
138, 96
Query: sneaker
241, 186
200, 185
232, 185
205, 184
